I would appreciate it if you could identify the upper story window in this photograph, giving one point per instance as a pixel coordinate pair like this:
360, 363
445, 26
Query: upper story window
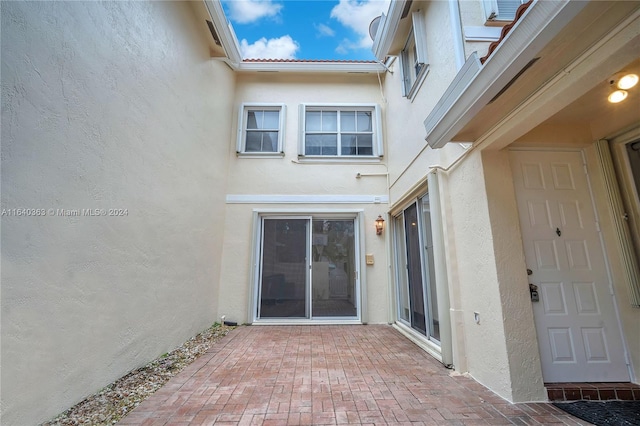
413, 58
260, 129
501, 10
340, 131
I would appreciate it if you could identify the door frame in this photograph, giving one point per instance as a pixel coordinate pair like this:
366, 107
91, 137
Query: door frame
357, 215
587, 164
439, 349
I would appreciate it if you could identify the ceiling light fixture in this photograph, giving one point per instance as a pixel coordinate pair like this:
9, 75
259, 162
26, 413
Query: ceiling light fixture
617, 96
627, 81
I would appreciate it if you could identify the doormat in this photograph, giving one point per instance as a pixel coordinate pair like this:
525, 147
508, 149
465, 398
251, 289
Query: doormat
604, 413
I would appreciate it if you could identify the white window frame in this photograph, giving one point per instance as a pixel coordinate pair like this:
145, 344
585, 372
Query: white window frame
414, 56
492, 9
242, 129
376, 125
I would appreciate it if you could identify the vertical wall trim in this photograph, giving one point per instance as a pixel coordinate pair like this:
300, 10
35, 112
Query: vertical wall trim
458, 38
439, 260
629, 258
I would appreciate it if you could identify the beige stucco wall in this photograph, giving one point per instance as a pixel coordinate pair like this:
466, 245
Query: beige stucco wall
286, 176
475, 256
409, 157
106, 105
237, 279
476, 277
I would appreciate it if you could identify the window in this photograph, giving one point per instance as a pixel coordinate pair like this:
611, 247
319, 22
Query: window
260, 129
413, 57
340, 131
501, 10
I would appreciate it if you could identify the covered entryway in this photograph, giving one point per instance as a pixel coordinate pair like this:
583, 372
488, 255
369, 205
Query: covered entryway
576, 320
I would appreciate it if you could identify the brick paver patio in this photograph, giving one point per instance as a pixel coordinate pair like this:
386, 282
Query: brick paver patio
312, 375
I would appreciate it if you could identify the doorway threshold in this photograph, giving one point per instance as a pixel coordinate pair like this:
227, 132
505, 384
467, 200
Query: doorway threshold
593, 391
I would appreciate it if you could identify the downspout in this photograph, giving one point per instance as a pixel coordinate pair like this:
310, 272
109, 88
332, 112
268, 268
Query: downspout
458, 38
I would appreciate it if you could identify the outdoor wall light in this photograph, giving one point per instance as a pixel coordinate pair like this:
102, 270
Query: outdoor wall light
379, 225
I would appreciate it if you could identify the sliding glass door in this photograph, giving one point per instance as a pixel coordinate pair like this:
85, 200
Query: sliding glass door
284, 273
415, 277
308, 268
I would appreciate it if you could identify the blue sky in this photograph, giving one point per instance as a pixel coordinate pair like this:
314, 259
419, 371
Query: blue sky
304, 29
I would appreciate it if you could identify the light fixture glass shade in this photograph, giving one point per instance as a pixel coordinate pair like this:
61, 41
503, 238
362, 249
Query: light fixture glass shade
617, 96
627, 81
379, 225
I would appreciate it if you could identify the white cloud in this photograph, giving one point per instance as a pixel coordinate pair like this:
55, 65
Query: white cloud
357, 15
275, 48
324, 30
247, 11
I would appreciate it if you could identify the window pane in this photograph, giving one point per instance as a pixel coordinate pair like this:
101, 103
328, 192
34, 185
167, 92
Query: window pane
314, 121
329, 121
321, 145
356, 144
349, 145
261, 142
254, 119
271, 120
348, 121
254, 142
365, 145
364, 121
270, 142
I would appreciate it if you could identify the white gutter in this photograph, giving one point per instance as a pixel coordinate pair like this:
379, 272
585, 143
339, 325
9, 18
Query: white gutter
542, 21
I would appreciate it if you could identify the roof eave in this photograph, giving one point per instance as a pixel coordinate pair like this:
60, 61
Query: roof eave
225, 32
544, 20
312, 67
387, 29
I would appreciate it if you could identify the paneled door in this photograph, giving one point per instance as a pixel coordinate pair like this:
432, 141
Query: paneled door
576, 322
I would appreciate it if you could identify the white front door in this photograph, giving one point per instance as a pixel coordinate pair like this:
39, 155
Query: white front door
576, 321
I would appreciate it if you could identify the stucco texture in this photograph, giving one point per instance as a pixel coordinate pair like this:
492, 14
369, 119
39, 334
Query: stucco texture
287, 175
105, 106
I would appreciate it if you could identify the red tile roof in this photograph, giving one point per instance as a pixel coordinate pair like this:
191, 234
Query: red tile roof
309, 60
505, 30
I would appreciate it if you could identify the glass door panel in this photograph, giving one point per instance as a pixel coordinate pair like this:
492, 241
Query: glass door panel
414, 269
333, 269
434, 323
284, 269
404, 307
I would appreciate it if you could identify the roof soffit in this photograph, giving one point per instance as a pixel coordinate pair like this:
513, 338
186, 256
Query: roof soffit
542, 22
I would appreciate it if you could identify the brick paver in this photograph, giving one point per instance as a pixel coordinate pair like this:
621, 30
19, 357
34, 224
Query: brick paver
316, 375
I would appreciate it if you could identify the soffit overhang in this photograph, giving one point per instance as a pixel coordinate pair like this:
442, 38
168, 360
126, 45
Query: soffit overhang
394, 28
568, 47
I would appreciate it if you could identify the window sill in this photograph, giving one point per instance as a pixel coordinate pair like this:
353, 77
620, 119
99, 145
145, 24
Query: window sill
418, 83
260, 154
308, 159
